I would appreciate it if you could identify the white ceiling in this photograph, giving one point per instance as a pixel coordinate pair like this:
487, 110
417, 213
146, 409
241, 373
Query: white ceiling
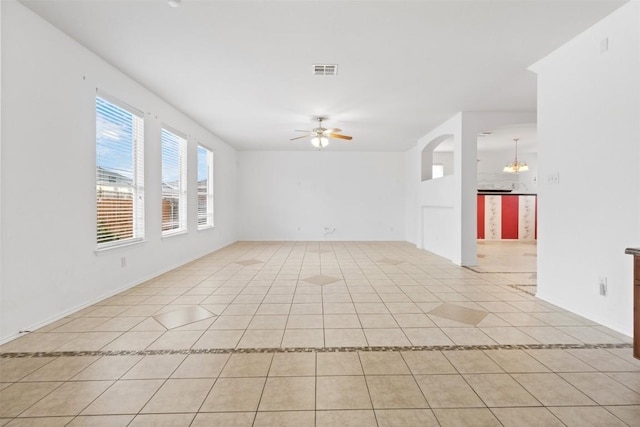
501, 139
242, 69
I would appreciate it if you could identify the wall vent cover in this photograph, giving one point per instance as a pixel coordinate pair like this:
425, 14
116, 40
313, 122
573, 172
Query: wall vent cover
325, 69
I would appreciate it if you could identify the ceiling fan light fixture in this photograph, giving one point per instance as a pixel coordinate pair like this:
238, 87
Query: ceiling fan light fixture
320, 135
319, 142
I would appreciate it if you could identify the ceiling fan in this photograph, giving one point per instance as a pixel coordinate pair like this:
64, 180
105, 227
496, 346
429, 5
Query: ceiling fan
320, 136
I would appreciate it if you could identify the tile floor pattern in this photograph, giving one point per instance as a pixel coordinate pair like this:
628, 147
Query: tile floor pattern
261, 334
511, 256
516, 260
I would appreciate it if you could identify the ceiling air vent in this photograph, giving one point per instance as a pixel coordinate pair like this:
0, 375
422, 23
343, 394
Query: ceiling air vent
325, 69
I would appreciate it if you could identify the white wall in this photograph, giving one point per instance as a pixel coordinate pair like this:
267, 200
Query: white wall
454, 217
412, 180
49, 264
1, 161
589, 133
439, 203
286, 195
438, 214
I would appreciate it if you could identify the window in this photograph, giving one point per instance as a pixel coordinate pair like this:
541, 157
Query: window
119, 173
205, 187
437, 170
174, 182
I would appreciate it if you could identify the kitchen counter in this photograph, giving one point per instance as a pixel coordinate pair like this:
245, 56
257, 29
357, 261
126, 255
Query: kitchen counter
495, 193
636, 299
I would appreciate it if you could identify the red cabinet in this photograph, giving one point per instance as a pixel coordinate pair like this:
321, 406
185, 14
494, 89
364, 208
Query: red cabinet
507, 216
509, 220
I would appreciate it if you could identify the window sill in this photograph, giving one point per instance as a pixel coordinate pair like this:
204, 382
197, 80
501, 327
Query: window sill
174, 233
113, 247
206, 227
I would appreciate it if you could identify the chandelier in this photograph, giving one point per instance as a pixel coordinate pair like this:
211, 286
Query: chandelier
516, 166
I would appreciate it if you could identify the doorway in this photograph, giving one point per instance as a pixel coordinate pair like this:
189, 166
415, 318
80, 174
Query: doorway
507, 206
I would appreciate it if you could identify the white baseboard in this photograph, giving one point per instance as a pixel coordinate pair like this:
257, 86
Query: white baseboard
82, 306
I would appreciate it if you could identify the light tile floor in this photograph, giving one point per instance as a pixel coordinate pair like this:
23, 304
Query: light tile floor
321, 334
515, 260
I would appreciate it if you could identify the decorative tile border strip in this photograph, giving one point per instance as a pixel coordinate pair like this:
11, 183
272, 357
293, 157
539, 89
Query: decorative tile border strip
313, 349
518, 287
478, 270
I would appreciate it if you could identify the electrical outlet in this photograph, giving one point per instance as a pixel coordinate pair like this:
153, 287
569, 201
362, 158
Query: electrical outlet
602, 286
123, 262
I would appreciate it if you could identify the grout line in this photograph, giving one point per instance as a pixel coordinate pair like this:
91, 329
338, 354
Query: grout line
416, 382
465, 380
605, 407
264, 386
366, 384
286, 323
37, 401
165, 380
215, 381
324, 334
315, 394
255, 313
351, 295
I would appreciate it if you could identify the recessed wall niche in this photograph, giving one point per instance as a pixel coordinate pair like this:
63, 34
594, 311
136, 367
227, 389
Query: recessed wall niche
437, 158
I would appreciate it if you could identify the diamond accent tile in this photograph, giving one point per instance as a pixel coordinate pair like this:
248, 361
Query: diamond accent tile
391, 261
175, 319
320, 279
247, 262
458, 313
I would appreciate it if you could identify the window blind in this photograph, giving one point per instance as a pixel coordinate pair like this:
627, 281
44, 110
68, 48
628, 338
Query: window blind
174, 182
119, 173
205, 187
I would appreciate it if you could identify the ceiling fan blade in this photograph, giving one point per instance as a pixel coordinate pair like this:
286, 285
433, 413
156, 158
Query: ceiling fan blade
335, 135
300, 137
334, 130
306, 131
